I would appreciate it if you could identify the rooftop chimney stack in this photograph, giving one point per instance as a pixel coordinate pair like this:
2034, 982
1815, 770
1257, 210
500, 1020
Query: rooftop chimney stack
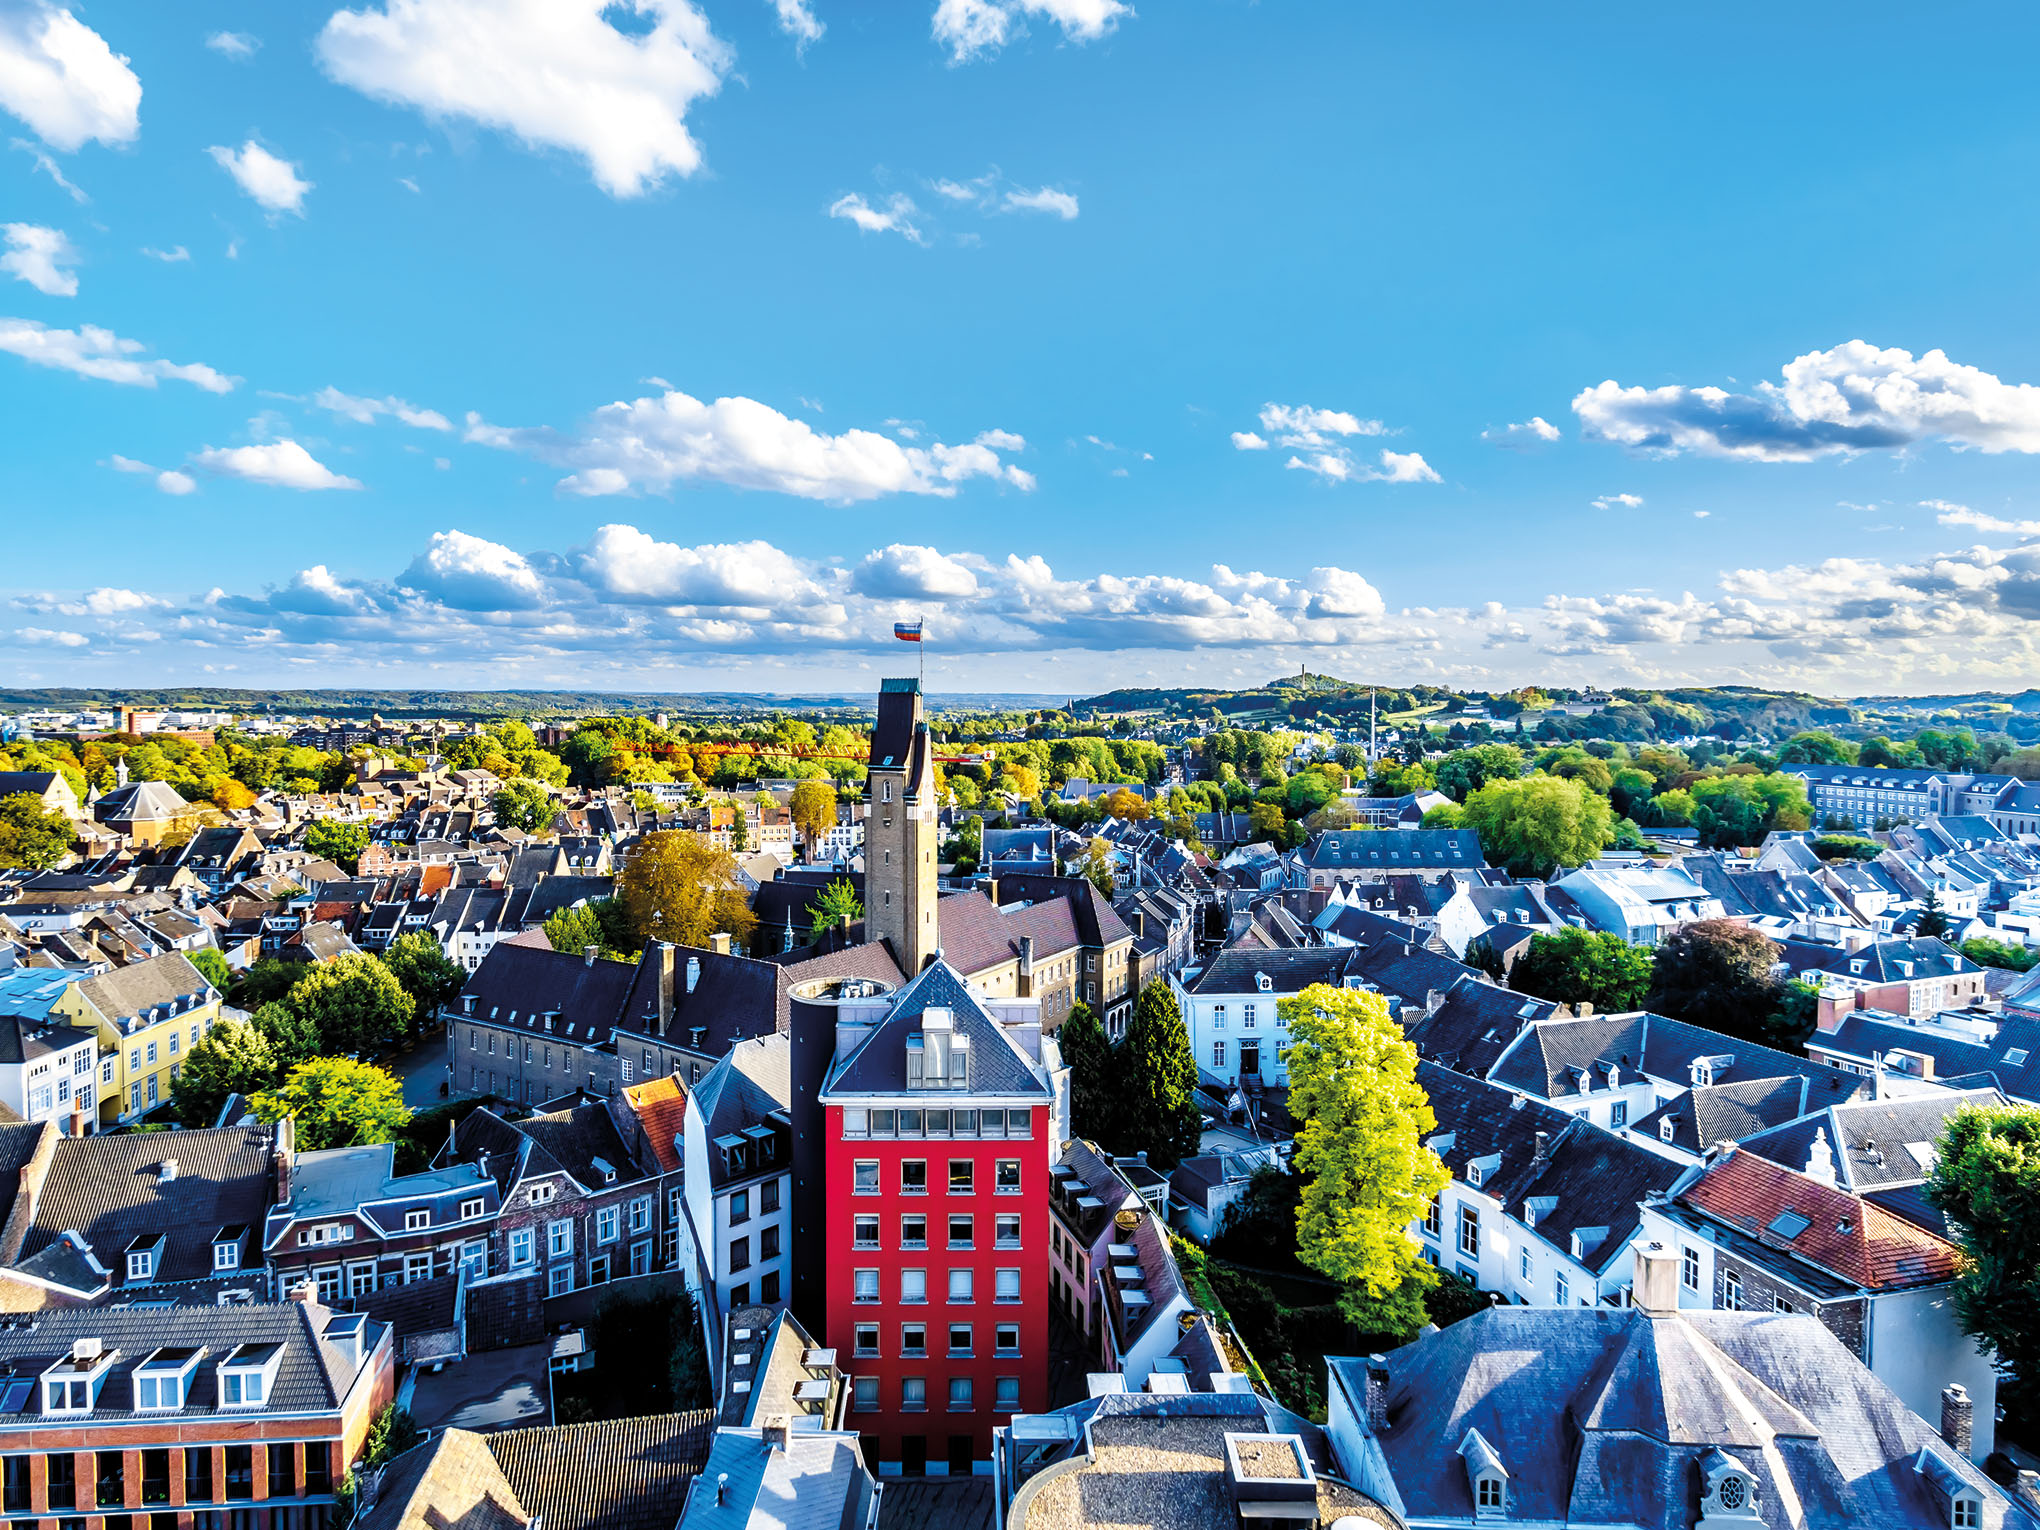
1542, 1153
665, 985
1377, 1395
1958, 1418
774, 1432
719, 942
1655, 1291
588, 955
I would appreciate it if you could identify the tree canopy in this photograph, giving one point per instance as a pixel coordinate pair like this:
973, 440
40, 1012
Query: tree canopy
1157, 1077
337, 1102
1575, 966
813, 810
1538, 823
524, 804
1366, 1172
1087, 1051
838, 902
231, 1057
1465, 771
1986, 1181
341, 843
425, 972
1717, 974
354, 1002
678, 887
32, 836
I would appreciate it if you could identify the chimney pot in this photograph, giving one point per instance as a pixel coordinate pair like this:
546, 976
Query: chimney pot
719, 942
1958, 1418
166, 1170
1655, 1288
1543, 1150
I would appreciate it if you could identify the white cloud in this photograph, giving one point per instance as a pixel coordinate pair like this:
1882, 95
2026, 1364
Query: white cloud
654, 443
901, 572
971, 28
1852, 398
365, 411
93, 352
49, 167
280, 464
169, 257
1619, 501
272, 182
1300, 425
1533, 432
170, 482
59, 76
235, 45
1249, 441
1317, 439
1339, 465
41, 257
1047, 200
1949, 514
895, 217
797, 20
554, 73
45, 637
471, 574
628, 565
409, 185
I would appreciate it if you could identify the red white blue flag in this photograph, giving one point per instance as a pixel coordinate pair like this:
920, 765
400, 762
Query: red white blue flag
907, 632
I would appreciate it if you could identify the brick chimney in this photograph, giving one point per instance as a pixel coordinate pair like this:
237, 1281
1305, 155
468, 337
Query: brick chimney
1377, 1394
1541, 1155
1958, 1418
1025, 987
719, 943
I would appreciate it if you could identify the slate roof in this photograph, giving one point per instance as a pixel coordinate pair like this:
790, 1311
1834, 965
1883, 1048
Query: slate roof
111, 1190
18, 1142
1730, 1112
417, 1306
576, 1137
1393, 849
1853, 1237
158, 982
1096, 1178
753, 1080
2011, 1058
1604, 1416
1547, 1058
879, 1065
517, 985
978, 936
816, 1482
141, 802
620, 1474
1884, 961
312, 1375
1288, 972
1097, 921
892, 737
1473, 1025
1872, 1142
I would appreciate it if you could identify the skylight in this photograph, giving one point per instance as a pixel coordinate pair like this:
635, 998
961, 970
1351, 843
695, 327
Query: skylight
1789, 1225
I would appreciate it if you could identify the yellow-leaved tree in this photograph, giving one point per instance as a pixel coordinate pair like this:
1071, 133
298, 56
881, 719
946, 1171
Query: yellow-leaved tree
1366, 1172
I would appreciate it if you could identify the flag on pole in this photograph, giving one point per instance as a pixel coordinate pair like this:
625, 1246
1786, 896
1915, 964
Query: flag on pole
907, 632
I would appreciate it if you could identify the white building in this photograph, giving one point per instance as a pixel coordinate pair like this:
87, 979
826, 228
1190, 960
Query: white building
1229, 1007
737, 1152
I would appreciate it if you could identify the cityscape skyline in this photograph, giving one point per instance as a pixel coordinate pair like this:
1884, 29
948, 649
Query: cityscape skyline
689, 348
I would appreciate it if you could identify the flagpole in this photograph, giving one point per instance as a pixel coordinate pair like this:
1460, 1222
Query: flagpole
922, 655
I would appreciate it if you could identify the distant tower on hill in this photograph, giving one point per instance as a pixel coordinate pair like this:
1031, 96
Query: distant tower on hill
900, 834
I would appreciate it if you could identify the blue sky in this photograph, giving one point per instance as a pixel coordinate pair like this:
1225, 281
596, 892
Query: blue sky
520, 342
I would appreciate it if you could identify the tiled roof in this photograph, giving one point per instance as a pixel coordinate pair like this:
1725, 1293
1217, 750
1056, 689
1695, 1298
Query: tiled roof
1288, 972
620, 1474
1546, 1060
575, 1138
1474, 1024
997, 1065
111, 1190
1874, 1144
1884, 961
1730, 1112
1376, 849
451, 1479
661, 1107
978, 936
146, 985
1847, 1234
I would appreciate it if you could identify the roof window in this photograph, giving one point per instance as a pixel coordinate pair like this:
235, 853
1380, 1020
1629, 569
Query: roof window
163, 1381
248, 1375
72, 1384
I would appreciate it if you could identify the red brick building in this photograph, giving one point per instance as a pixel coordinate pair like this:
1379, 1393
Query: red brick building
941, 1113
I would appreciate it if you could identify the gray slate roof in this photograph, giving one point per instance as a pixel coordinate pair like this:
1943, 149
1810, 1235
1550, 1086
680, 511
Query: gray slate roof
620, 1474
879, 1065
1288, 972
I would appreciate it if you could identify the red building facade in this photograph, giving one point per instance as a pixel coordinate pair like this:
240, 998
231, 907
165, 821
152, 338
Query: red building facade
940, 1121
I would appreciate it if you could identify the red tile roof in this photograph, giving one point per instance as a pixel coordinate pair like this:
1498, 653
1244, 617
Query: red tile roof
1844, 1233
661, 1104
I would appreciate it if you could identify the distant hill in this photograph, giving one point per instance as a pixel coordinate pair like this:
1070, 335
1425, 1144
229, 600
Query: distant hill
484, 706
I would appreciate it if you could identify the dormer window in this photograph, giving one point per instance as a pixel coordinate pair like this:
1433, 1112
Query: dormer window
143, 1255
72, 1384
163, 1381
247, 1376
227, 1247
1486, 1478
1263, 982
1665, 1127
1729, 1493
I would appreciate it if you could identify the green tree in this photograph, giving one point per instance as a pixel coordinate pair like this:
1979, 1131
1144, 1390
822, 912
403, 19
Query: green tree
1933, 921
1817, 749
1465, 771
678, 887
424, 970
524, 804
1986, 1181
575, 929
212, 966
1577, 966
1158, 1081
355, 1003
1794, 1019
390, 1433
231, 1057
271, 979
1717, 974
838, 902
1997, 953
337, 1102
813, 810
1366, 1172
31, 836
1097, 868
1539, 823
293, 1038
341, 843
1087, 1051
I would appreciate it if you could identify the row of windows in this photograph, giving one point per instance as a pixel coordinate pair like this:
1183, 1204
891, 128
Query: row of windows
962, 1340
914, 1394
962, 1176
740, 1202
938, 1123
740, 1249
1249, 1017
914, 1286
867, 1231
108, 1489
768, 1291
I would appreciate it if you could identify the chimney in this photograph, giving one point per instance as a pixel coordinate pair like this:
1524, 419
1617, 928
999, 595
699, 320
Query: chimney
1542, 1153
1655, 1290
719, 942
992, 890
1140, 924
1026, 984
1958, 1416
693, 973
279, 1160
2029, 1490
665, 985
305, 1292
774, 1432
1377, 1395
588, 954
722, 1488
166, 1171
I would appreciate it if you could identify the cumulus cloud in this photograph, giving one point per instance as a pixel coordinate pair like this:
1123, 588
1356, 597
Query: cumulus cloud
279, 464
93, 352
900, 572
1341, 466
1853, 398
1317, 439
1300, 425
1249, 441
973, 28
471, 574
365, 411
1950, 514
46, 637
42, 257
553, 73
797, 20
896, 216
60, 77
651, 444
1618, 502
274, 183
1533, 432
1047, 199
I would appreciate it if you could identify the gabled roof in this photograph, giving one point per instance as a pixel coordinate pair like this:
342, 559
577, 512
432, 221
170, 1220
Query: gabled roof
1547, 1060
1874, 1144
620, 1474
518, 985
978, 936
575, 1138
753, 1080
2012, 1057
1287, 971
145, 985
998, 1066
1390, 849
1883, 961
1474, 1025
1732, 1112
661, 1107
1846, 1234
